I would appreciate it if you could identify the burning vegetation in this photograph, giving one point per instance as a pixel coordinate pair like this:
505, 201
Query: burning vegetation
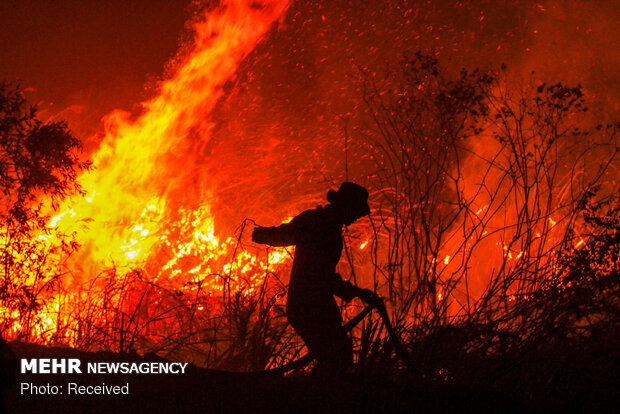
493, 235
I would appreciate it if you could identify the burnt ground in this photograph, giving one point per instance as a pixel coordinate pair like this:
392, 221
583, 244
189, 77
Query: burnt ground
209, 391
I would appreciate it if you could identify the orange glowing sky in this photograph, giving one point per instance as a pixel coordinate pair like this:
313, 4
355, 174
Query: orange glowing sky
94, 56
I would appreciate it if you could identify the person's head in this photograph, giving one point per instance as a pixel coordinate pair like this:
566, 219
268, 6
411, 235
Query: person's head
351, 201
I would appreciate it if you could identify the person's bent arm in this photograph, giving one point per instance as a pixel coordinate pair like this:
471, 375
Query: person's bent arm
346, 291
343, 289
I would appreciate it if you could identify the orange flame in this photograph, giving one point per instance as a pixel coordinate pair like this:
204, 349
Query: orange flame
137, 210
140, 167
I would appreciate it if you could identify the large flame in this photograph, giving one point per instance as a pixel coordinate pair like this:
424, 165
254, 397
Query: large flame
143, 168
147, 204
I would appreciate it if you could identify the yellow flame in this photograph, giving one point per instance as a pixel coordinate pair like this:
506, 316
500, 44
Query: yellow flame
134, 208
141, 161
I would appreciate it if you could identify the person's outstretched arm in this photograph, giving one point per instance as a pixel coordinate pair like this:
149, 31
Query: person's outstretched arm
285, 234
282, 235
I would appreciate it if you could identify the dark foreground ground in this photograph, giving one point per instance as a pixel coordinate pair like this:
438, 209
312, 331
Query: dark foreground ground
208, 391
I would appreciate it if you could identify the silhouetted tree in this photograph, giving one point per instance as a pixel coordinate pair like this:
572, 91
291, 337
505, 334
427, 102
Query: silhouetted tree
39, 164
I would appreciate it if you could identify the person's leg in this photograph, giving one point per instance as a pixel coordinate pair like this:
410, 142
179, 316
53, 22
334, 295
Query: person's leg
335, 354
325, 338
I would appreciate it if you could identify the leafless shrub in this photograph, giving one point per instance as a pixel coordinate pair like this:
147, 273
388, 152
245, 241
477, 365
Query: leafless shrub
479, 190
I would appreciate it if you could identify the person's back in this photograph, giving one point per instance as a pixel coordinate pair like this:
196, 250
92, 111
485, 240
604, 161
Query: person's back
318, 250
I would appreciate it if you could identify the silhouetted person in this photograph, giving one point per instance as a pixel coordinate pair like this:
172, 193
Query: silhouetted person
311, 308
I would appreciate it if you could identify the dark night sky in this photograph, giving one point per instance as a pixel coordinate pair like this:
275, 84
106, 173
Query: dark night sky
75, 53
